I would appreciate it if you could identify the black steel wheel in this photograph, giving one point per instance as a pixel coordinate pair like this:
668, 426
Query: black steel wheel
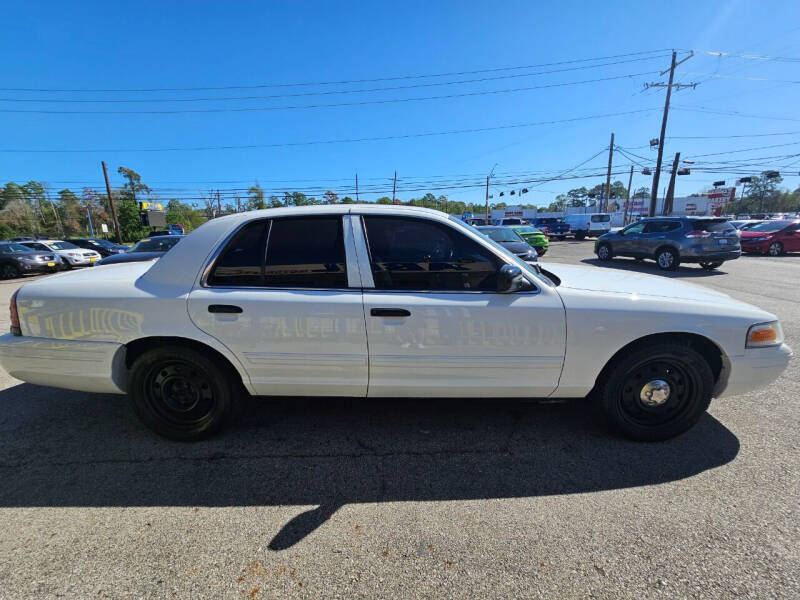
656, 392
9, 271
604, 251
710, 266
181, 394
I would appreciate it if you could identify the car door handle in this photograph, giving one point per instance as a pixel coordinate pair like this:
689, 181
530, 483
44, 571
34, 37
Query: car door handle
224, 308
389, 312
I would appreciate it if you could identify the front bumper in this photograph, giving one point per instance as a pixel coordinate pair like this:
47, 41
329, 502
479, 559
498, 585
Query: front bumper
756, 248
40, 267
72, 364
755, 369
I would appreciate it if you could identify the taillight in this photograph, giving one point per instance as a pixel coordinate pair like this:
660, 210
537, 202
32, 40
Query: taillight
698, 234
15, 327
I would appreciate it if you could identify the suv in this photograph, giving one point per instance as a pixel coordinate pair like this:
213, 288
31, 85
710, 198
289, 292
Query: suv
709, 241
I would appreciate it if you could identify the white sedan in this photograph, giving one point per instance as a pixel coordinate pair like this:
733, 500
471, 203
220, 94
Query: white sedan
70, 254
380, 302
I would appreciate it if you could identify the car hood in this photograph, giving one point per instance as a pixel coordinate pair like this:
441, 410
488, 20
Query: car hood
631, 283
127, 257
516, 247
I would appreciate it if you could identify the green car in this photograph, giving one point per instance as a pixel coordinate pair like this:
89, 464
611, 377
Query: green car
533, 236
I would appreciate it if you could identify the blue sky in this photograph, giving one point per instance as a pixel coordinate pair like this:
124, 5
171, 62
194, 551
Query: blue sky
146, 45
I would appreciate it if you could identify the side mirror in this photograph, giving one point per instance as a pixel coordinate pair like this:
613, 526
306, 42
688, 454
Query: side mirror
510, 279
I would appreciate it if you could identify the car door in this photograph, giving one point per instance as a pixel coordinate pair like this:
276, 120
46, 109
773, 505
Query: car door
791, 238
283, 298
654, 235
624, 244
436, 324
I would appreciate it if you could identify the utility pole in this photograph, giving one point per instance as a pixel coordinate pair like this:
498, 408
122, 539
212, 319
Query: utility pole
357, 187
394, 187
608, 174
669, 86
628, 204
667, 210
219, 205
111, 204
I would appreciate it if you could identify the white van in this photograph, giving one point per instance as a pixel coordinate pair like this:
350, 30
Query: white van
588, 224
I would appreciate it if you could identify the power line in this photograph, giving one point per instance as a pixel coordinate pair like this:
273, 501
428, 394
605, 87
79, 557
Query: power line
703, 109
317, 93
725, 137
334, 141
340, 82
331, 105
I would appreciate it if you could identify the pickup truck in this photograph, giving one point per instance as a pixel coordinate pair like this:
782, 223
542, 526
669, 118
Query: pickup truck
552, 227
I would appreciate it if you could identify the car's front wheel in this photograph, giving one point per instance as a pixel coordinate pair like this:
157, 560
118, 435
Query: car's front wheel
9, 271
604, 251
775, 249
658, 391
710, 266
181, 394
667, 259
580, 236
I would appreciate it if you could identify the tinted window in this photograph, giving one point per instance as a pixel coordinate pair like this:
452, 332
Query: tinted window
413, 254
501, 234
712, 225
637, 228
155, 244
769, 226
601, 218
306, 252
241, 261
64, 246
661, 226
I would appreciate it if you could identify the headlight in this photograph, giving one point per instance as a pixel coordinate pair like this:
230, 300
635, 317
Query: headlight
764, 334
759, 239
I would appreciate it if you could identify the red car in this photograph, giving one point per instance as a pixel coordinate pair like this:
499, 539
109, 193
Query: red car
772, 237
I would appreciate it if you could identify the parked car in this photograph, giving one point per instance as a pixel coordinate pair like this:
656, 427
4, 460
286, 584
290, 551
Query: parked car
16, 259
383, 302
772, 237
509, 221
102, 247
588, 224
533, 236
475, 221
176, 229
511, 241
71, 255
144, 250
552, 226
669, 241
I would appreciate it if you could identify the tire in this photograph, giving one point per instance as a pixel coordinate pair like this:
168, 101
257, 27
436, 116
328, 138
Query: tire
200, 399
561, 238
633, 412
9, 271
775, 249
604, 252
667, 259
710, 266
580, 236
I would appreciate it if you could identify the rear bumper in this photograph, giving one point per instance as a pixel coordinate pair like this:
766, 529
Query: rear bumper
710, 256
757, 368
71, 364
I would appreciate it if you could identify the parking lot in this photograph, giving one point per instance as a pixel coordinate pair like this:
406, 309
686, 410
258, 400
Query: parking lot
404, 498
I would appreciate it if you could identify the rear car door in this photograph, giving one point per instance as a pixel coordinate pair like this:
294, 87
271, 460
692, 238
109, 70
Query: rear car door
436, 324
791, 238
283, 298
655, 235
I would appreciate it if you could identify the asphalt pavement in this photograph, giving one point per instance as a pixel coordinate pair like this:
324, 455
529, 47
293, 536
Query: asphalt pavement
320, 498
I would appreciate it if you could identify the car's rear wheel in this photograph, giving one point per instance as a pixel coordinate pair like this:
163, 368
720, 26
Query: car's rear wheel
710, 266
667, 259
181, 394
657, 392
604, 252
580, 236
775, 249
9, 271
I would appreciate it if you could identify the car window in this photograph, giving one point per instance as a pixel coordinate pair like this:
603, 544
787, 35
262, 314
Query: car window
501, 234
661, 226
636, 228
242, 260
157, 244
37, 246
601, 218
712, 225
769, 226
64, 246
416, 254
14, 249
306, 252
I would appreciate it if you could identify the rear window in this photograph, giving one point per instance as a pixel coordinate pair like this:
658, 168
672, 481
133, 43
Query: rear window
601, 218
712, 225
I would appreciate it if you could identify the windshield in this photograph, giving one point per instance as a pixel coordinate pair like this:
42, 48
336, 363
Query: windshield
63, 246
160, 244
501, 234
526, 229
770, 226
104, 243
14, 249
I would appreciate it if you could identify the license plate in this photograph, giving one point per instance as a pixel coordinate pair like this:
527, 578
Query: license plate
93, 259
52, 264
723, 242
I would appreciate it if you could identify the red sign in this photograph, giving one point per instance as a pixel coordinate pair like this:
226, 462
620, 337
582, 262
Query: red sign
721, 195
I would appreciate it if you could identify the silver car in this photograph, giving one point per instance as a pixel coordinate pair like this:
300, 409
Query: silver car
709, 241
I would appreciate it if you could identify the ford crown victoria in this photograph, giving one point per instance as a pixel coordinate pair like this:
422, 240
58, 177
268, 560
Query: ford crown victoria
382, 302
